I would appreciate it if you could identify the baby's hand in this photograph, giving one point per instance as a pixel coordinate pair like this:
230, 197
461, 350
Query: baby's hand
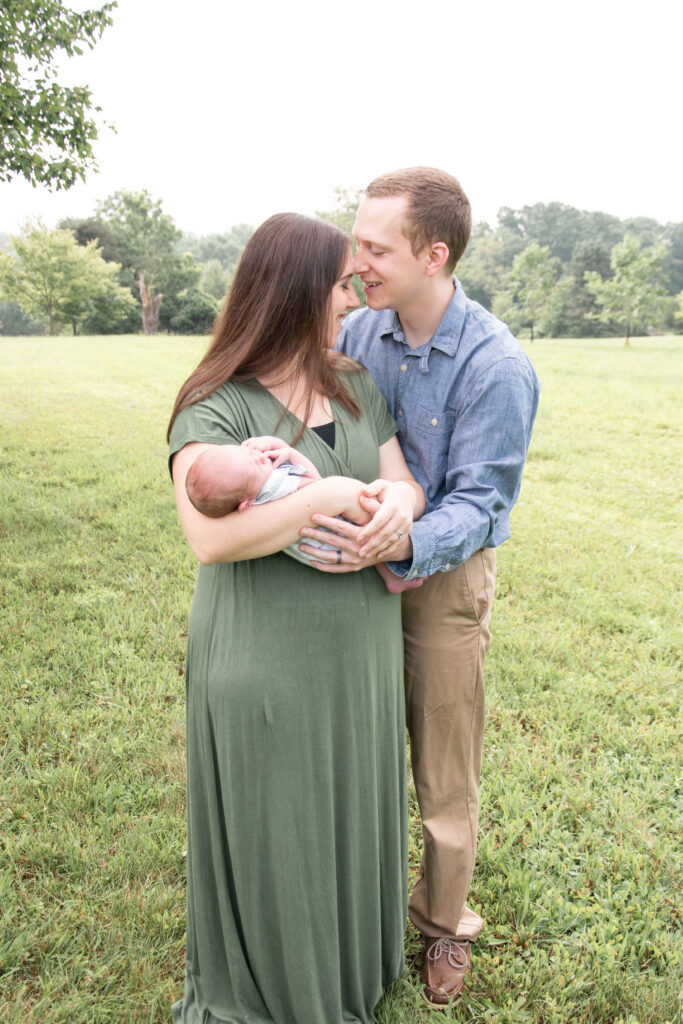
279, 455
265, 443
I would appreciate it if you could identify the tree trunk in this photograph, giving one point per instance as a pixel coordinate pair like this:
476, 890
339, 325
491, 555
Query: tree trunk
150, 307
532, 332
628, 332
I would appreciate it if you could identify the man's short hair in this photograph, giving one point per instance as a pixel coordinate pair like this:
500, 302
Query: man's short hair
438, 209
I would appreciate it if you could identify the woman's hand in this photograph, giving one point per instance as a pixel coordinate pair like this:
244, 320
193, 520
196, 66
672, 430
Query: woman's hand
388, 505
342, 536
386, 536
391, 521
387, 513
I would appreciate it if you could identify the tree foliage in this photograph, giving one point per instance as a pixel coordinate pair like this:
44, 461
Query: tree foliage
532, 294
135, 232
635, 295
215, 280
15, 322
196, 314
46, 129
343, 212
485, 264
57, 280
582, 241
225, 248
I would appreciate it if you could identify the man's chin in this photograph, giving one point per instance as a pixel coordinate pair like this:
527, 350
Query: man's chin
373, 299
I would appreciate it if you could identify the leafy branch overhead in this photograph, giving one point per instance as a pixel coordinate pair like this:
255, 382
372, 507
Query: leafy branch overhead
46, 129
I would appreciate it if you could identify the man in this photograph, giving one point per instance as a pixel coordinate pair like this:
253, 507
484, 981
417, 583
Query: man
464, 396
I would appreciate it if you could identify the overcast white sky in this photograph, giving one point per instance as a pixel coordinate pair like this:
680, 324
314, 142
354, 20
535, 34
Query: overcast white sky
231, 111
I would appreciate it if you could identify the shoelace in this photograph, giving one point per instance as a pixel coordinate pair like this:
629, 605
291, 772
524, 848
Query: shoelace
455, 952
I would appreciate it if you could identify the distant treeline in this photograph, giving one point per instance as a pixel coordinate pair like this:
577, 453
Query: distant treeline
127, 269
547, 269
577, 245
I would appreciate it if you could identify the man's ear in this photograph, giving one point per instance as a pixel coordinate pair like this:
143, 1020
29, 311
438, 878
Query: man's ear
247, 503
437, 257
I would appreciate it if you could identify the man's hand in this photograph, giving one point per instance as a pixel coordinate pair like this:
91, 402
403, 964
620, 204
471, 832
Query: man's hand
346, 555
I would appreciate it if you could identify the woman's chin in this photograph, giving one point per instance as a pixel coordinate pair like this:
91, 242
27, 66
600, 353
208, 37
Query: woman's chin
336, 331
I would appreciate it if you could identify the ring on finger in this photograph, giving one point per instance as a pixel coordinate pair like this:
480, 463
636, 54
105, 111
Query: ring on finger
398, 534
339, 556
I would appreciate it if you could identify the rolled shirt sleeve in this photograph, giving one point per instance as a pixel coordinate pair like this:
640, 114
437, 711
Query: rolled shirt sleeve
465, 404
483, 477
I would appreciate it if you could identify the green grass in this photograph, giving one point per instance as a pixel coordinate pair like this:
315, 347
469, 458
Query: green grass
579, 856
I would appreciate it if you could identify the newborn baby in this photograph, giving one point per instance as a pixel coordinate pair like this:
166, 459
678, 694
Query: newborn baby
228, 477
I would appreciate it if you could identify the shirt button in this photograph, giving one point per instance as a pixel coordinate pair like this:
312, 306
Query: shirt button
400, 412
403, 368
434, 421
448, 565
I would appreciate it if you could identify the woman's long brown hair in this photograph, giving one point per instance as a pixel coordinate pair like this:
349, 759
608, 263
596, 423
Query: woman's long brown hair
276, 318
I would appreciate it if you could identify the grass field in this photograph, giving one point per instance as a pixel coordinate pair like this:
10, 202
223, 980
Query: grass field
579, 858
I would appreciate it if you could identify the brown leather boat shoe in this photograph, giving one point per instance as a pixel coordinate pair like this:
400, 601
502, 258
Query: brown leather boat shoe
447, 962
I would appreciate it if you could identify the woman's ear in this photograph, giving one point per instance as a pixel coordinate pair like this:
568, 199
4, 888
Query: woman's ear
437, 257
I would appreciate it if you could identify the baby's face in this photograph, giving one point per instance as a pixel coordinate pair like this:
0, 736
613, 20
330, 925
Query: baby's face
252, 468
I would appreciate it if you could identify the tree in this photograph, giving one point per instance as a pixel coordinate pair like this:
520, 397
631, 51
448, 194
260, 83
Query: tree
46, 131
635, 295
673, 264
15, 323
196, 314
482, 268
561, 228
225, 248
576, 317
532, 294
215, 280
54, 278
143, 240
343, 213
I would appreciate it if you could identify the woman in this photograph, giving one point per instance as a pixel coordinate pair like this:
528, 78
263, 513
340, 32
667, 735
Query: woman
295, 721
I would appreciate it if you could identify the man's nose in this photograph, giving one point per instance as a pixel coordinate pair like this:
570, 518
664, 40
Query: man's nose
360, 264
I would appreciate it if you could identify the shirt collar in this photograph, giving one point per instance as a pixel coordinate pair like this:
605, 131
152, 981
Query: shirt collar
447, 335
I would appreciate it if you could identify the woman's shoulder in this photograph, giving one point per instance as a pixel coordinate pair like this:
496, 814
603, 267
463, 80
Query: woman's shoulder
355, 375
366, 392
370, 399
218, 417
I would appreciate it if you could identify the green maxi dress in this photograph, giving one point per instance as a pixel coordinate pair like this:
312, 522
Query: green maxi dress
297, 844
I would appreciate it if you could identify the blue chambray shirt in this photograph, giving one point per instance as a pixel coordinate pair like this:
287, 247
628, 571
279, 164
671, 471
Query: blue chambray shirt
465, 404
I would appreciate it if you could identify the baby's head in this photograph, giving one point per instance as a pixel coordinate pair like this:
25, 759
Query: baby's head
225, 477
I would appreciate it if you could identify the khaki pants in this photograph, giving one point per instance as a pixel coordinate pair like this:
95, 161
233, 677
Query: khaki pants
446, 635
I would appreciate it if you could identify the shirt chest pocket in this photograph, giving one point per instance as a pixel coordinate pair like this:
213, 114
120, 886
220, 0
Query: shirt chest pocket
433, 422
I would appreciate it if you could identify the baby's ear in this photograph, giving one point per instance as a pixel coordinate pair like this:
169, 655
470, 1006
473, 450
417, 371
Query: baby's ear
247, 503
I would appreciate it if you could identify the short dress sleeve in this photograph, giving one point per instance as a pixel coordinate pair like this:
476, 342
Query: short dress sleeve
218, 419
